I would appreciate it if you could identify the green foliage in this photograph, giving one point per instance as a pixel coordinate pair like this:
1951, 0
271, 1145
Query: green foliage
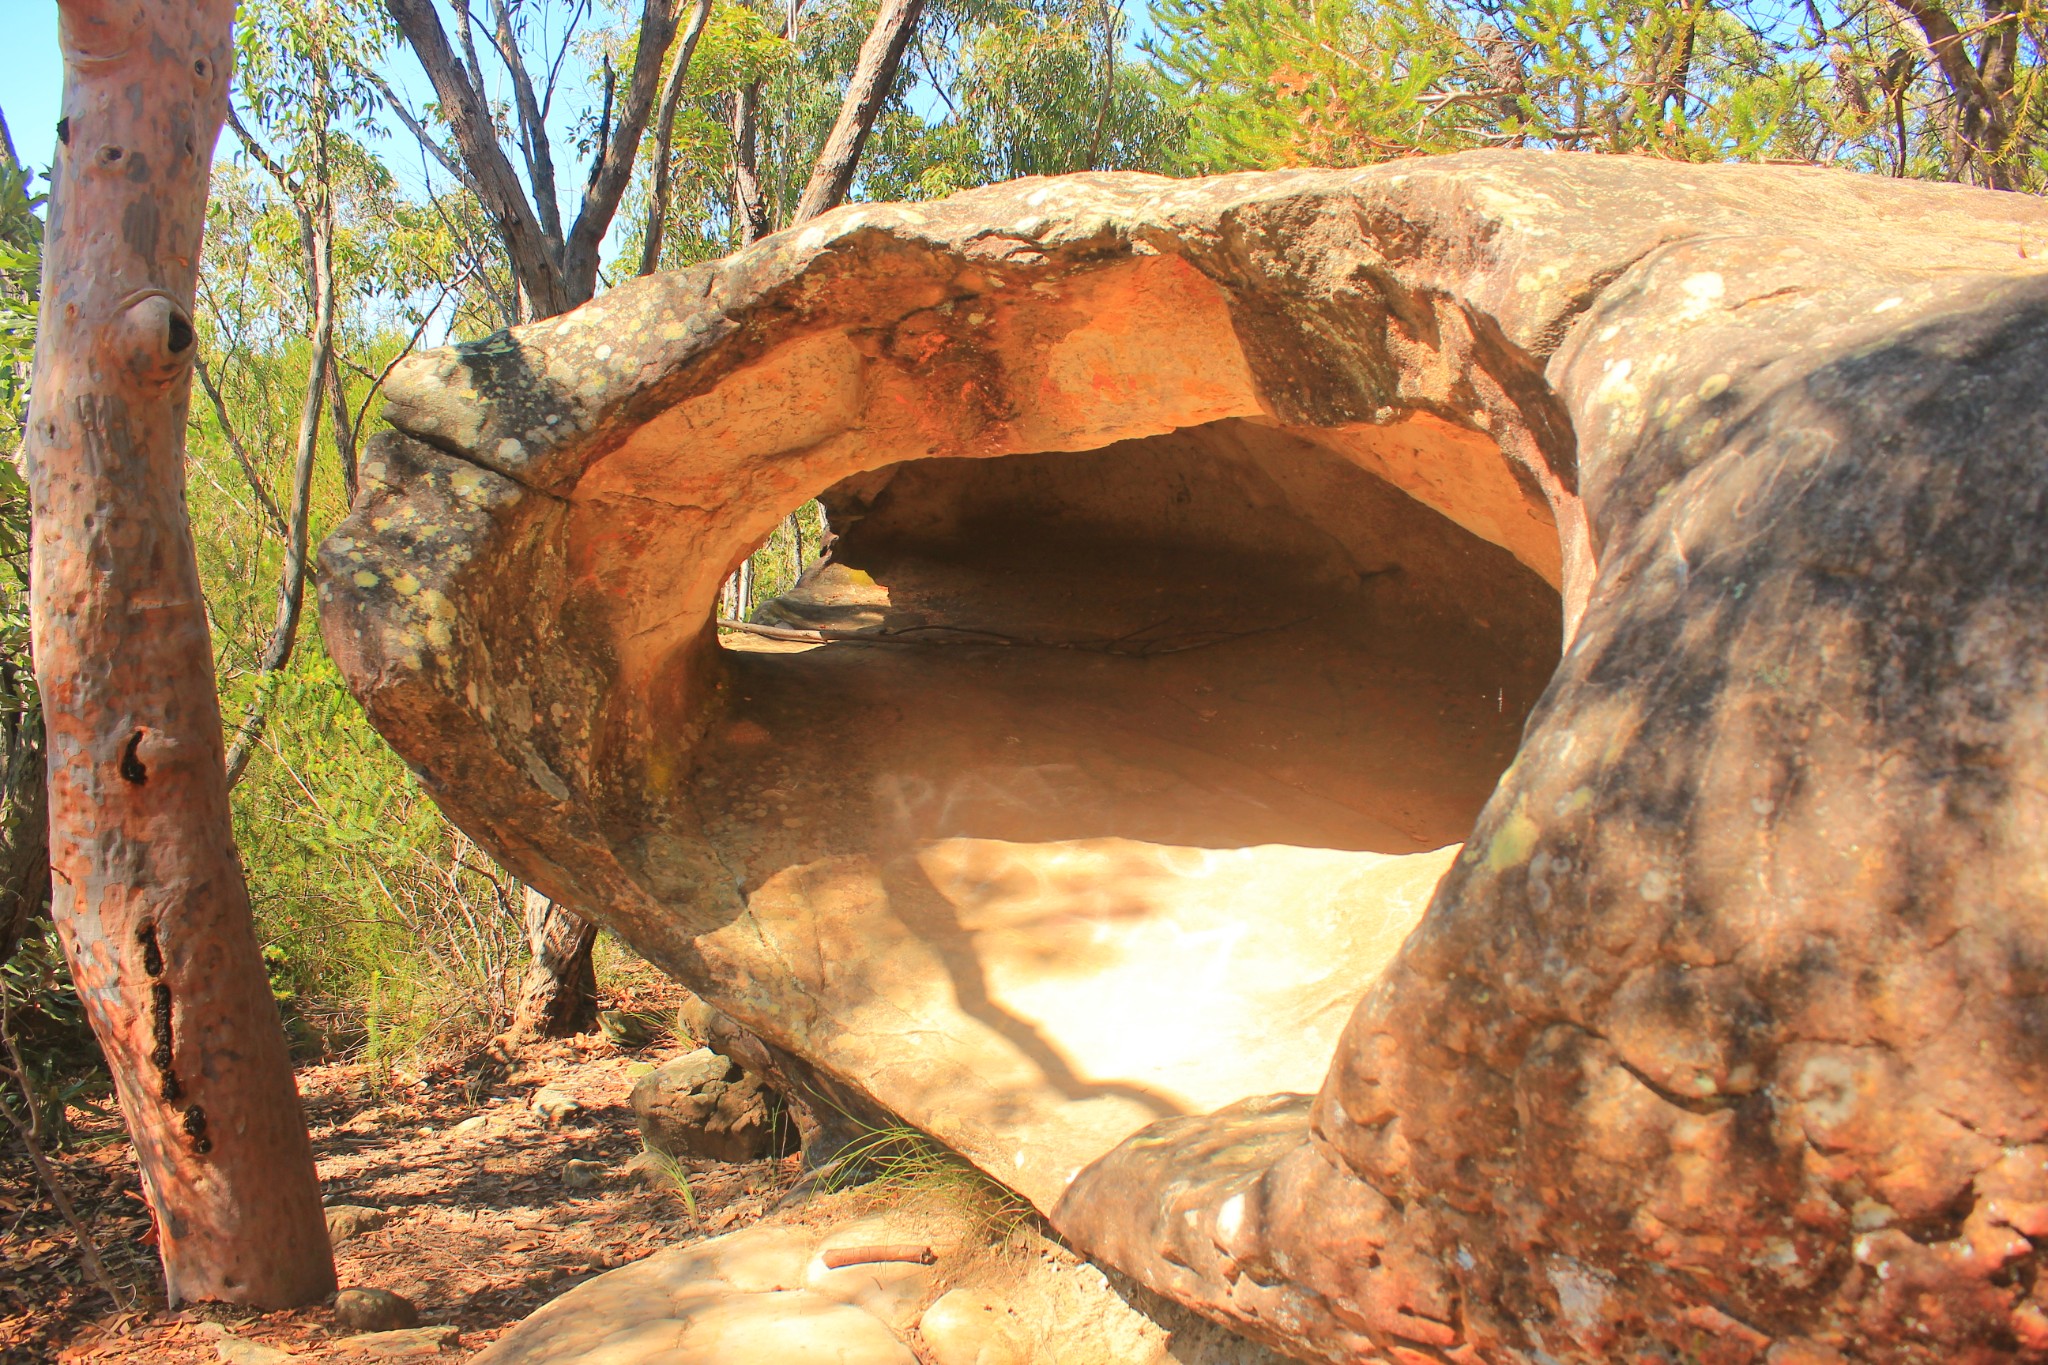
1266, 83
387, 930
21, 269
302, 65
46, 1028
989, 90
1022, 87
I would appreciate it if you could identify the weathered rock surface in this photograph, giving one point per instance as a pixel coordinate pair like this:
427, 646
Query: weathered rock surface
765, 1296
702, 1104
1722, 1036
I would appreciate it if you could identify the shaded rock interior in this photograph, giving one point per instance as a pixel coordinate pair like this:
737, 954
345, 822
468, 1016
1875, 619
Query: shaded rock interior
1217, 698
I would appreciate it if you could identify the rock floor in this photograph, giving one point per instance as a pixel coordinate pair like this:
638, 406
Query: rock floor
839, 1280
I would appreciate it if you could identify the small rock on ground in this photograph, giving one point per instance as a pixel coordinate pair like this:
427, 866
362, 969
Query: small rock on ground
399, 1345
233, 1350
556, 1106
654, 1171
374, 1310
349, 1220
703, 1104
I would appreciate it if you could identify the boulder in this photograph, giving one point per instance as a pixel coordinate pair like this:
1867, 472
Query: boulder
701, 1104
374, 1310
1174, 795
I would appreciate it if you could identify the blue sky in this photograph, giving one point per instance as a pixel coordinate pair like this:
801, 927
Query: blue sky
31, 77
32, 89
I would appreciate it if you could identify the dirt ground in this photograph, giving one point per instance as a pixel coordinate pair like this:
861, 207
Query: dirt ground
482, 1228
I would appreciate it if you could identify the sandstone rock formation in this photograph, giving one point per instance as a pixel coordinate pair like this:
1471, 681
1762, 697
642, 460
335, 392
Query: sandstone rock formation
702, 1104
1260, 505
773, 1294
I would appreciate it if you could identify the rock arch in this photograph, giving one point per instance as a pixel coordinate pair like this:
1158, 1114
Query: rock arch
1719, 1036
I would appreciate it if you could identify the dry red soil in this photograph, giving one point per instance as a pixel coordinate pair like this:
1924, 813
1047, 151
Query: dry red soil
482, 1227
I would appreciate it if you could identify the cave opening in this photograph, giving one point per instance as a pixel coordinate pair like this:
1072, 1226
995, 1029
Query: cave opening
1162, 692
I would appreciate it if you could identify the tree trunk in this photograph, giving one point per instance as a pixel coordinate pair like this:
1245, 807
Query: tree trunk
1980, 89
24, 814
149, 898
873, 74
344, 429
748, 199
664, 140
560, 996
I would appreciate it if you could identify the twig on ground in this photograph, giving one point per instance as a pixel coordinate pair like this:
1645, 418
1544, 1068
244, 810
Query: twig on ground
1125, 645
840, 1257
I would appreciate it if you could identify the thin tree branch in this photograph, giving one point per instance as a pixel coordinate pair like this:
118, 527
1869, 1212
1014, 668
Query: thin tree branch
614, 168
284, 178
464, 22
1109, 24
1981, 123
751, 203
292, 592
377, 381
88, 1253
873, 75
664, 139
419, 132
344, 430
533, 262
235, 446
604, 119
961, 637
576, 14
533, 132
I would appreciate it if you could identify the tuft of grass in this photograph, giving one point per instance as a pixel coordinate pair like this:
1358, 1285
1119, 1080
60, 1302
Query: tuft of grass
899, 1163
672, 1170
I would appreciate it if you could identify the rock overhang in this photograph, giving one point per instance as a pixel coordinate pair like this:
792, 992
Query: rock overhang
1598, 351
